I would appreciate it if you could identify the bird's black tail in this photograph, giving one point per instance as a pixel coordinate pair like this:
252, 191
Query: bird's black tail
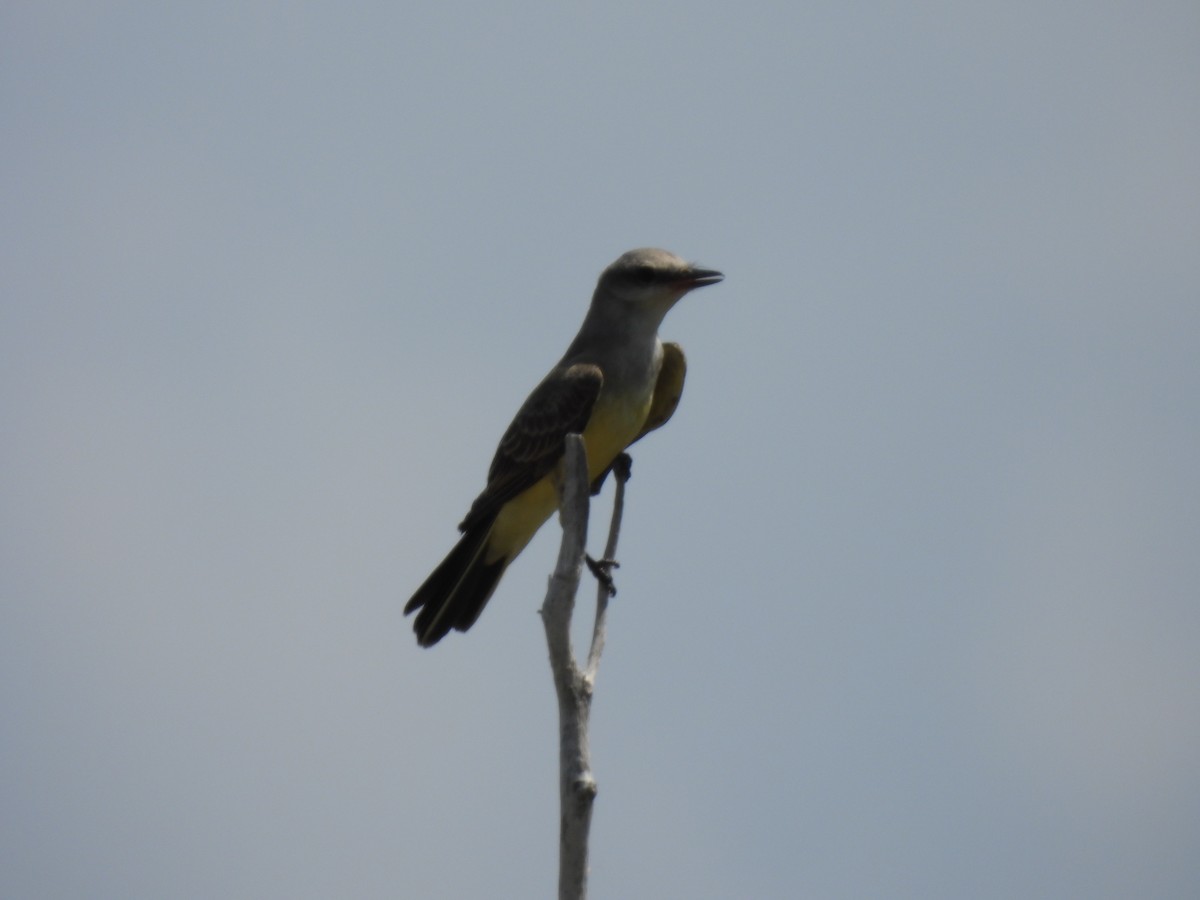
455, 593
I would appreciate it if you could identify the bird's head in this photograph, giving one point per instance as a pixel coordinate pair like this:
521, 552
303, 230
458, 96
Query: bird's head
653, 279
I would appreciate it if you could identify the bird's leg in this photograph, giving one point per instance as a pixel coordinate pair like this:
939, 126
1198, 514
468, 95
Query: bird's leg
602, 569
622, 469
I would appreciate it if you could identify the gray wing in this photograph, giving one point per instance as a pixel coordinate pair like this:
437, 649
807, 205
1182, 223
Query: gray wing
667, 390
533, 443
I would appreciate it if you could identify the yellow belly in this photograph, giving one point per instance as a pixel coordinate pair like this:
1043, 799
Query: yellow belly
611, 428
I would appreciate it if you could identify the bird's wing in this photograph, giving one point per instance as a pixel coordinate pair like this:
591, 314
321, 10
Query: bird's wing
533, 443
667, 390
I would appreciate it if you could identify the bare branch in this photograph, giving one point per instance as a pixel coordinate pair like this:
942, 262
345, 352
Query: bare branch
577, 786
560, 595
621, 469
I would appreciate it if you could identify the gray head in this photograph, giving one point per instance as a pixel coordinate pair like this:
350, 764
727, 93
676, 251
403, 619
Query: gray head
652, 278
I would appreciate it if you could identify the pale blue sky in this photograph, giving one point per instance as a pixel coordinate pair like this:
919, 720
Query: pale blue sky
909, 600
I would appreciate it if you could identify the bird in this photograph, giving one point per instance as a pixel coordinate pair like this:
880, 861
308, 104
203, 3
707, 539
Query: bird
616, 383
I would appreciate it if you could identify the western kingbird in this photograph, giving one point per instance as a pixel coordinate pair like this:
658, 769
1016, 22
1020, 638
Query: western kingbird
616, 383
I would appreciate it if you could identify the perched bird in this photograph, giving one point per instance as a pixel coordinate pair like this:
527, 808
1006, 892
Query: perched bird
616, 382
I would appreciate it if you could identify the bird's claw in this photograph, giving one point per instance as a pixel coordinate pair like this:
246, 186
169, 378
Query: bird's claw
602, 569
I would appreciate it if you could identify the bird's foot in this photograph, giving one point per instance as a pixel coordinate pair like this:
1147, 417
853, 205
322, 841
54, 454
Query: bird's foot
602, 569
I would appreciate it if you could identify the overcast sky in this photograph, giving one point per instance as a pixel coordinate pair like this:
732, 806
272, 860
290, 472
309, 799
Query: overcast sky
910, 588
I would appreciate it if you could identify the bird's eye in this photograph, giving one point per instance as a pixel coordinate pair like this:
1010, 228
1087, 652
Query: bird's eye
643, 274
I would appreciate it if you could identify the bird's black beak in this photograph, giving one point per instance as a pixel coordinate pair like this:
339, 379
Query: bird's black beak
700, 277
